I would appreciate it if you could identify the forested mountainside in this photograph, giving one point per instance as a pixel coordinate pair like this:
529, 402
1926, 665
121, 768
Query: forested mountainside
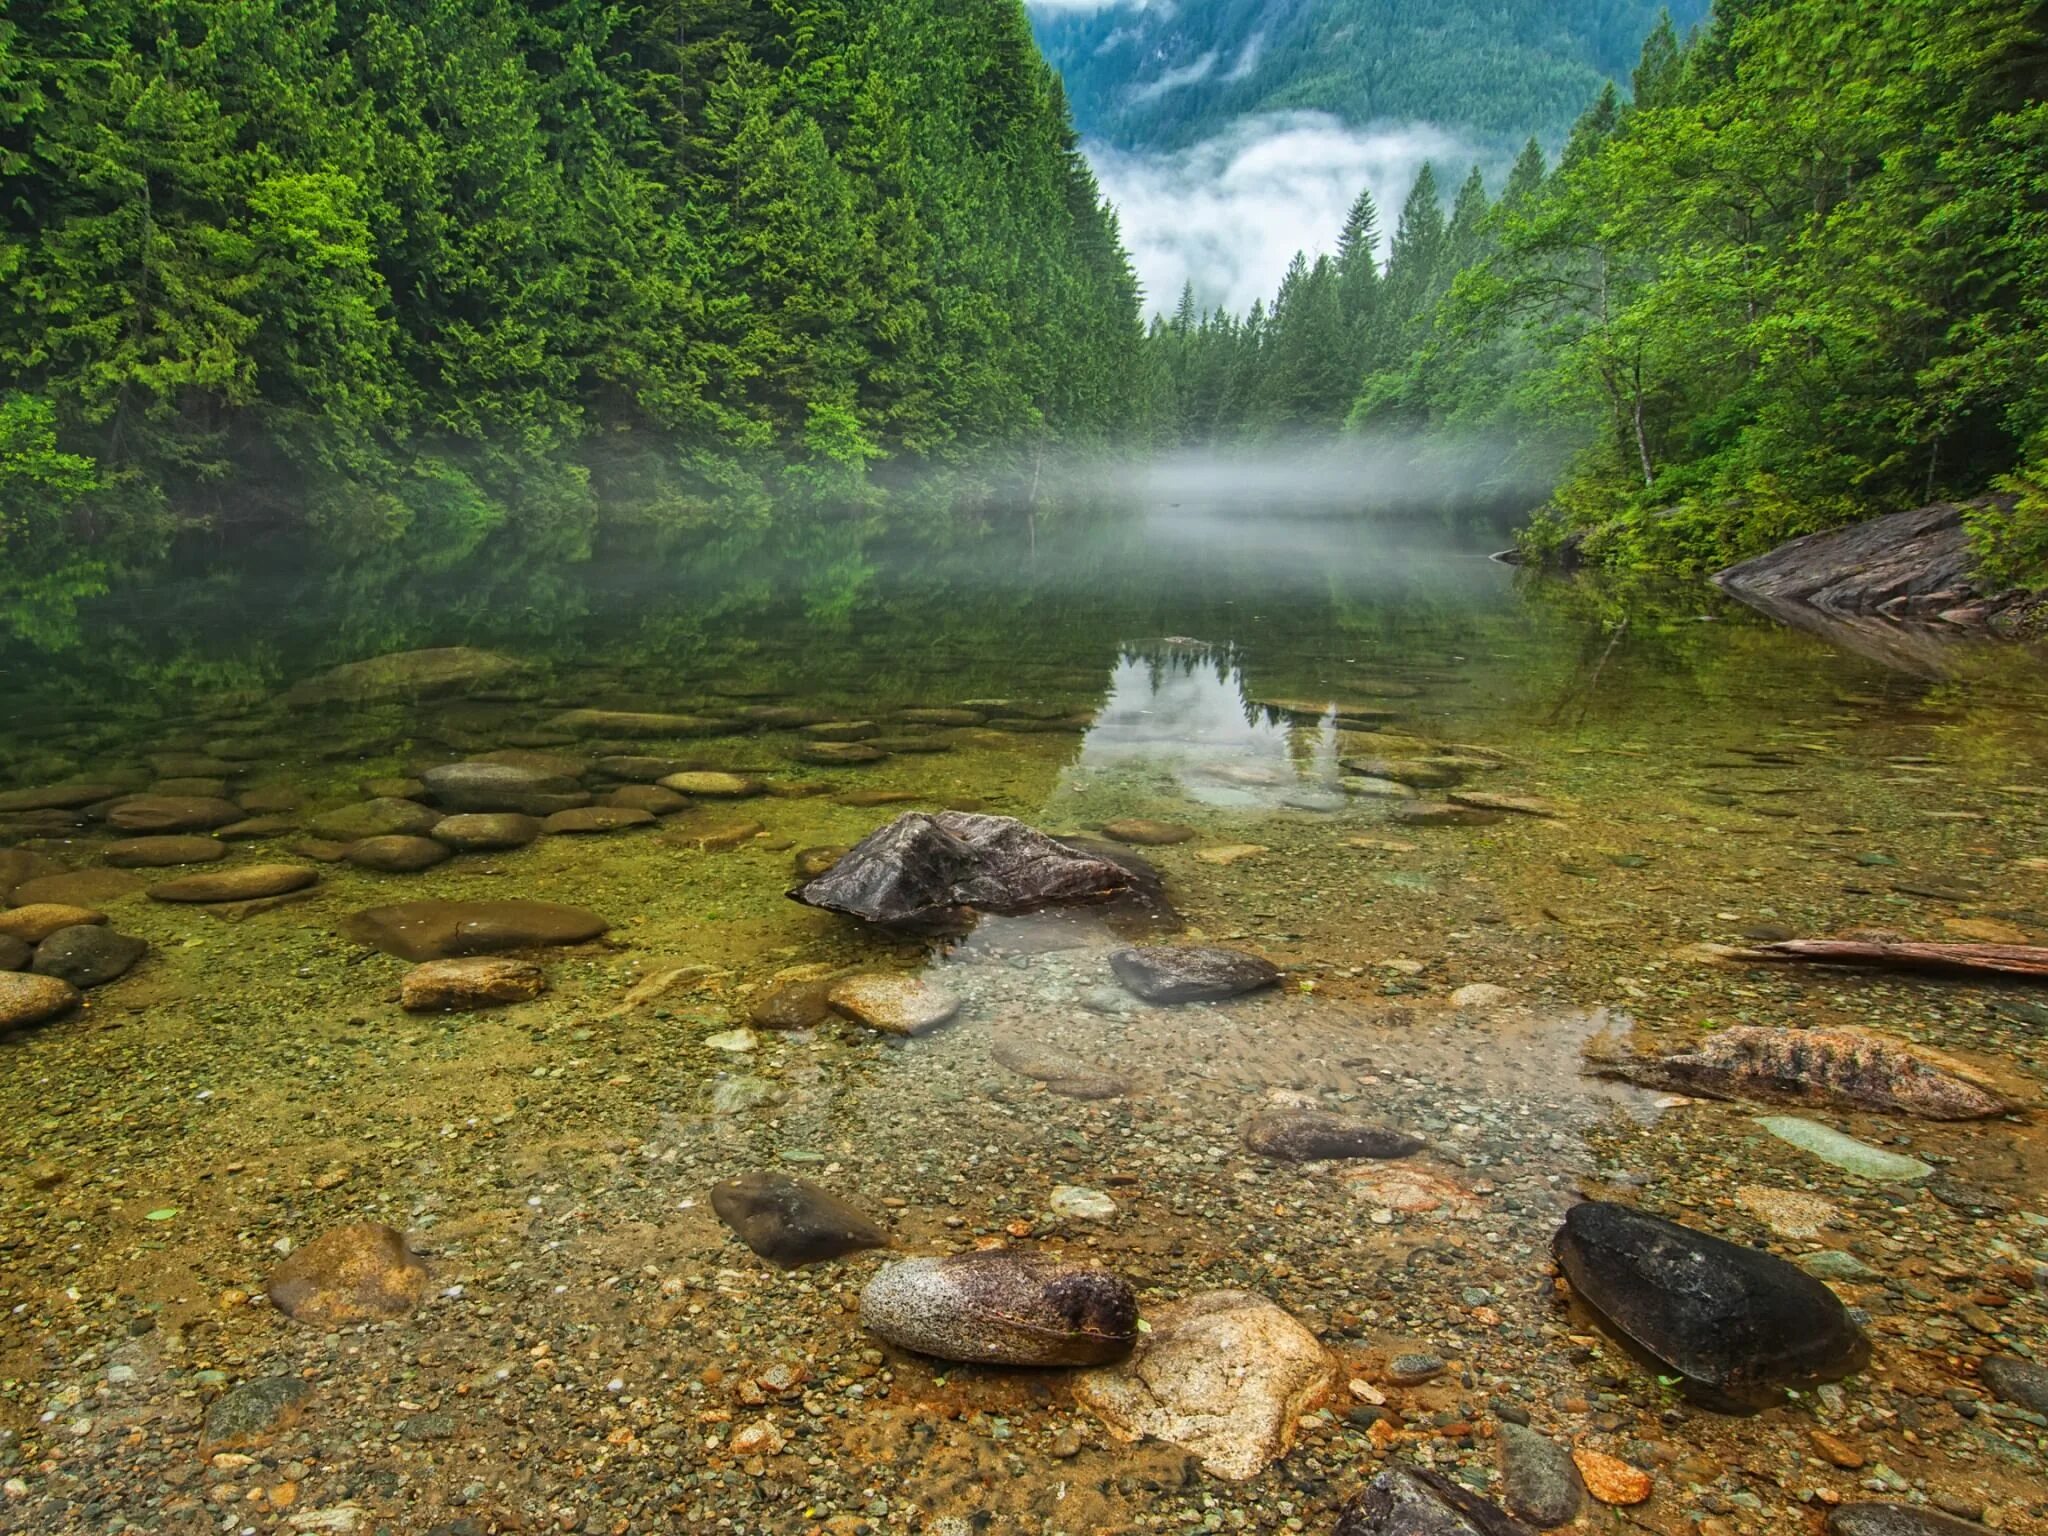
411, 266
1154, 76
1800, 277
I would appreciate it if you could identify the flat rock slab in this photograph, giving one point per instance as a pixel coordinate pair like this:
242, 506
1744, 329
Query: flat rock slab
1314, 1135
27, 999
791, 1222
927, 868
1865, 568
56, 797
895, 1004
151, 814
252, 882
397, 855
1736, 1321
163, 852
597, 819
437, 930
707, 785
1147, 834
88, 955
487, 832
1189, 973
375, 818
1061, 1072
1225, 1375
1413, 1501
487, 786
1002, 1307
38, 920
1846, 1152
1897, 1520
77, 888
361, 1273
459, 986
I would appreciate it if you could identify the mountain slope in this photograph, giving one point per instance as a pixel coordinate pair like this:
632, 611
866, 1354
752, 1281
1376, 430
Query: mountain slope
1156, 74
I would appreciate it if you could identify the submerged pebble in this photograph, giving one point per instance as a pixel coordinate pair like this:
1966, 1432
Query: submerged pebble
791, 1222
1312, 1135
88, 955
449, 986
360, 1273
1185, 973
893, 1004
1414, 1501
27, 999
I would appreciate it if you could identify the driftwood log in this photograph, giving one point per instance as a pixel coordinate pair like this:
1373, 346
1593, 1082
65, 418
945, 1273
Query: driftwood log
2024, 961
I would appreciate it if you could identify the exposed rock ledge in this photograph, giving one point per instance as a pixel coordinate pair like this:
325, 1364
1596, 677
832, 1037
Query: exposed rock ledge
1906, 566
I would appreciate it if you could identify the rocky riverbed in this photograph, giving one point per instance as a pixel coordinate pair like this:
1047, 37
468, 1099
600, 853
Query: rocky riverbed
448, 1189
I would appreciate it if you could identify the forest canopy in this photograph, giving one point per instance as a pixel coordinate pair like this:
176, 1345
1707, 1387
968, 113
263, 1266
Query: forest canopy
407, 268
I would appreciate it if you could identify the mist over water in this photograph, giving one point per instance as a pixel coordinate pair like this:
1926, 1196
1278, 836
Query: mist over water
1229, 214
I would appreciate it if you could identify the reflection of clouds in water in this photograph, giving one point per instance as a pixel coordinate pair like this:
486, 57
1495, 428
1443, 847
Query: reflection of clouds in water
1183, 711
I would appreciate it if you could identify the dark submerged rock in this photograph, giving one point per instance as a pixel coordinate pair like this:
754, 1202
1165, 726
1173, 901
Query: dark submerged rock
397, 855
252, 1413
1539, 1482
924, 869
2016, 1381
1736, 1321
1191, 973
792, 1223
1410, 1501
88, 955
1002, 1307
15, 954
375, 818
1312, 1135
434, 930
483, 787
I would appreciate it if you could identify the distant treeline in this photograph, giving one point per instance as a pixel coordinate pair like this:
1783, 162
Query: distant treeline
404, 269
1798, 277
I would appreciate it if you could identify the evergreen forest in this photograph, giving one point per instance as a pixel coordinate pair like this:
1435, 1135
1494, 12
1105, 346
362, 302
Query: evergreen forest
1796, 274
399, 270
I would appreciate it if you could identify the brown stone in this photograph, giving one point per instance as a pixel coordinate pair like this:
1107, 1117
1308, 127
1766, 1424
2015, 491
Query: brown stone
77, 888
36, 922
1147, 834
361, 1273
397, 855
256, 828
647, 797
56, 797
252, 882
592, 819
436, 930
27, 999
171, 813
895, 1004
793, 1005
487, 831
455, 986
163, 852
712, 786
19, 864
1610, 1479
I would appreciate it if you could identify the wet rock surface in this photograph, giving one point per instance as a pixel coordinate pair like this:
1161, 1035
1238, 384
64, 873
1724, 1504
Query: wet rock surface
792, 1005
375, 818
27, 1000
1539, 1482
925, 868
455, 986
895, 1005
480, 787
250, 882
1897, 1520
1846, 1067
1063, 1073
153, 814
88, 955
253, 1413
488, 832
35, 922
2016, 1381
1413, 1501
1309, 1135
436, 930
397, 855
361, 1273
163, 852
1225, 1375
1002, 1307
1187, 973
1735, 1320
793, 1223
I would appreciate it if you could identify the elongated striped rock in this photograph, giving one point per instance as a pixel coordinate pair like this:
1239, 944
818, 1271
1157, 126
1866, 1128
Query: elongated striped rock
1812, 1066
1002, 1307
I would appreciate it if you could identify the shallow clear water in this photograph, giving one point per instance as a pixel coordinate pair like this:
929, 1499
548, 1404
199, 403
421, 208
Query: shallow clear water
593, 1337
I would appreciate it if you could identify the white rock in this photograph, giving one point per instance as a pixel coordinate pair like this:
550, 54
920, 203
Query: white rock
1481, 994
1083, 1204
1226, 1375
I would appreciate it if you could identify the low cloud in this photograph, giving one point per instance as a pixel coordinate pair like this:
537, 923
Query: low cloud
1175, 79
1228, 214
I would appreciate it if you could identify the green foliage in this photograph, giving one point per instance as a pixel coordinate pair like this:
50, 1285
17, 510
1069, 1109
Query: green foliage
423, 269
1800, 279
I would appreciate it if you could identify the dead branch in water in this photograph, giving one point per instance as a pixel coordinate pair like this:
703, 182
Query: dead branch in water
2027, 961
